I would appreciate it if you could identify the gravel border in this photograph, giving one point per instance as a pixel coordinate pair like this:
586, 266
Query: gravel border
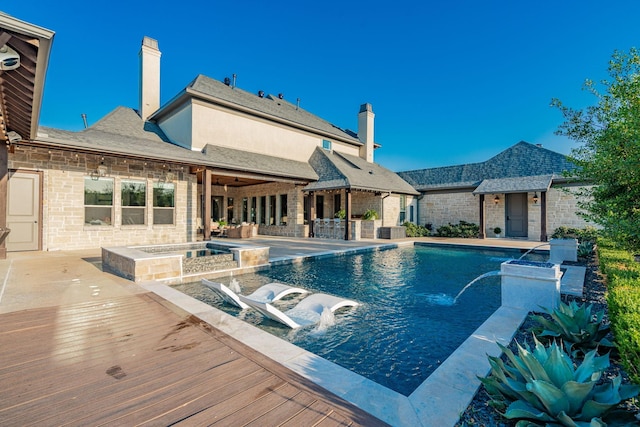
479, 413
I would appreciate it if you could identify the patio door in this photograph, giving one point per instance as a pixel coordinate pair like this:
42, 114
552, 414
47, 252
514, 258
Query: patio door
23, 212
517, 218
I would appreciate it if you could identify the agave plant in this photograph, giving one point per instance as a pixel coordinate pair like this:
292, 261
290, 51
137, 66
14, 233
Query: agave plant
579, 329
585, 248
543, 387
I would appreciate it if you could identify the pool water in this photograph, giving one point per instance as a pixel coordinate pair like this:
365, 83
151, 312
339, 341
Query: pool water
400, 334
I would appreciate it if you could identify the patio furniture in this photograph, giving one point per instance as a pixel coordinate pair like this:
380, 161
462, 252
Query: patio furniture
306, 312
266, 293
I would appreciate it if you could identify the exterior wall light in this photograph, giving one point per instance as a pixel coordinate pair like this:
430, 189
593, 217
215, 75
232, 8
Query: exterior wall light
535, 197
496, 200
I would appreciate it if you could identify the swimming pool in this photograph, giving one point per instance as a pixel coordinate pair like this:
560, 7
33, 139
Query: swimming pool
399, 335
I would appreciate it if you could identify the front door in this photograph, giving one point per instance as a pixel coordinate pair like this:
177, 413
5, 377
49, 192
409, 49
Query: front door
517, 219
23, 212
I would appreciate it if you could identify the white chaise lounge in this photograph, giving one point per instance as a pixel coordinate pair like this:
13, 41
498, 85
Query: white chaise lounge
266, 293
306, 312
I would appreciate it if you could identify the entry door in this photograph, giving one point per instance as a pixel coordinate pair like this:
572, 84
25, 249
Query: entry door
517, 220
23, 212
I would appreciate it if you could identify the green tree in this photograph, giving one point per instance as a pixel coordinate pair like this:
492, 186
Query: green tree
609, 154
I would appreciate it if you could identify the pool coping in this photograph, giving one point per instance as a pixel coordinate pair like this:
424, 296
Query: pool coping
439, 400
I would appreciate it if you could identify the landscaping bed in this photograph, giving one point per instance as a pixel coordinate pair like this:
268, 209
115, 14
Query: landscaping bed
480, 413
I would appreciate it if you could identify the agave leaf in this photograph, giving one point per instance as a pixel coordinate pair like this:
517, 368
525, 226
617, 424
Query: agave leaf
517, 362
553, 399
577, 394
627, 391
592, 409
522, 409
567, 421
558, 368
591, 367
539, 350
533, 365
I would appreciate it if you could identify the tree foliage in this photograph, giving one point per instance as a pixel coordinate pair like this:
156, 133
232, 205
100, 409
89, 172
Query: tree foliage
609, 154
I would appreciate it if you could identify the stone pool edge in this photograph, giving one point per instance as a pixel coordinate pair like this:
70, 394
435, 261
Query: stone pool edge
440, 399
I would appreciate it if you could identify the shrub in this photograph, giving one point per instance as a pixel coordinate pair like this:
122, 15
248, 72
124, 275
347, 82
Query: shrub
623, 299
462, 229
342, 214
543, 386
413, 230
579, 329
585, 248
587, 234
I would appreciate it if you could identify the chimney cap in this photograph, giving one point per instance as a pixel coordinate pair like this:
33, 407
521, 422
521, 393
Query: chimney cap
148, 41
366, 107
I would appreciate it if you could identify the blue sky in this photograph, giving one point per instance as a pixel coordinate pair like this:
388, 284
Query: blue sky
450, 82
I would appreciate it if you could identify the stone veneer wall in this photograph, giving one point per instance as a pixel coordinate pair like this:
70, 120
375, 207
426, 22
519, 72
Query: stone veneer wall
440, 209
63, 199
562, 208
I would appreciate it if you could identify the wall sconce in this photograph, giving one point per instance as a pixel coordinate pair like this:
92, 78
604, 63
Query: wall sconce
535, 197
99, 172
496, 200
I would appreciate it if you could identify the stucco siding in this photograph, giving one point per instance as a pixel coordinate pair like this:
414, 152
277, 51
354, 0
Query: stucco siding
227, 128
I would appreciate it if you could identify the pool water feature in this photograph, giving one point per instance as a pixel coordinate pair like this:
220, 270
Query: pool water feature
397, 337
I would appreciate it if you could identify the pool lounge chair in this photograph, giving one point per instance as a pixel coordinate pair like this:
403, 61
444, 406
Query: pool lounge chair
306, 312
266, 293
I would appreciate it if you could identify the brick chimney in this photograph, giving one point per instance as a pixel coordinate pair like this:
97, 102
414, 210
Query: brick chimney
365, 131
149, 77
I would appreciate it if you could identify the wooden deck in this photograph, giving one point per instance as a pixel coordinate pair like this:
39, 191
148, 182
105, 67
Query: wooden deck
138, 360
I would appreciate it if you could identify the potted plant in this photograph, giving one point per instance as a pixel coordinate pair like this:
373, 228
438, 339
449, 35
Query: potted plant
497, 231
342, 214
370, 214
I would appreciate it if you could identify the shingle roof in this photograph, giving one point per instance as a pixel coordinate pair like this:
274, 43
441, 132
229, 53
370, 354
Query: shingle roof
338, 170
514, 185
520, 160
270, 105
123, 132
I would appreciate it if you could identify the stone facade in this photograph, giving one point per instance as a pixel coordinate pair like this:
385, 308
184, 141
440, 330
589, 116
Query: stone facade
441, 208
63, 210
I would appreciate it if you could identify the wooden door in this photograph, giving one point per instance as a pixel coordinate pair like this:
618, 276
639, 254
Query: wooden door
517, 218
23, 212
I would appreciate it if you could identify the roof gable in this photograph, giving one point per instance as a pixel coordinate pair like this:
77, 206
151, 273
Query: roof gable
520, 160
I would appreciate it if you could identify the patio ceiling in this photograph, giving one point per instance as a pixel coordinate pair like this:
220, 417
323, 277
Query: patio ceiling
21, 89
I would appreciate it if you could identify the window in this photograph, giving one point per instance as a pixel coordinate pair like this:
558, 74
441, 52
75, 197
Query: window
245, 209
263, 209
230, 218
336, 203
272, 210
252, 215
163, 203
283, 209
326, 144
319, 206
403, 208
134, 202
98, 201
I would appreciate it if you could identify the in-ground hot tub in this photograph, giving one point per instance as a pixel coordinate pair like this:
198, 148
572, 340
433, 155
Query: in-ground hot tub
173, 263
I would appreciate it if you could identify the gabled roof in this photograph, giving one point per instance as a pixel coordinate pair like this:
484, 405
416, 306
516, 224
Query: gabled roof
521, 160
269, 106
338, 170
123, 132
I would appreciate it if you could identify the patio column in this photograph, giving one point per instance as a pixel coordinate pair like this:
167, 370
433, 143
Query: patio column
312, 212
4, 180
481, 234
206, 195
347, 217
543, 216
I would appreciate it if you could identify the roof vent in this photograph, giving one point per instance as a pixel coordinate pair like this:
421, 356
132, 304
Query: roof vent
280, 95
539, 145
227, 81
261, 93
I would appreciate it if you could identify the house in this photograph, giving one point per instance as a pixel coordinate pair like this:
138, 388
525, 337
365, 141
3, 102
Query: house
166, 173
522, 190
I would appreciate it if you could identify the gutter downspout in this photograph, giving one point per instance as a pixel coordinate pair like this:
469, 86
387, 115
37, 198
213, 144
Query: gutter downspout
382, 206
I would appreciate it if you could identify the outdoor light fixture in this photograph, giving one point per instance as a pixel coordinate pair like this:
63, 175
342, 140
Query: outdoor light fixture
99, 172
535, 197
496, 200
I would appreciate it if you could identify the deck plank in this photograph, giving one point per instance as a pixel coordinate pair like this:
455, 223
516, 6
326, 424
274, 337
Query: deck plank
140, 360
